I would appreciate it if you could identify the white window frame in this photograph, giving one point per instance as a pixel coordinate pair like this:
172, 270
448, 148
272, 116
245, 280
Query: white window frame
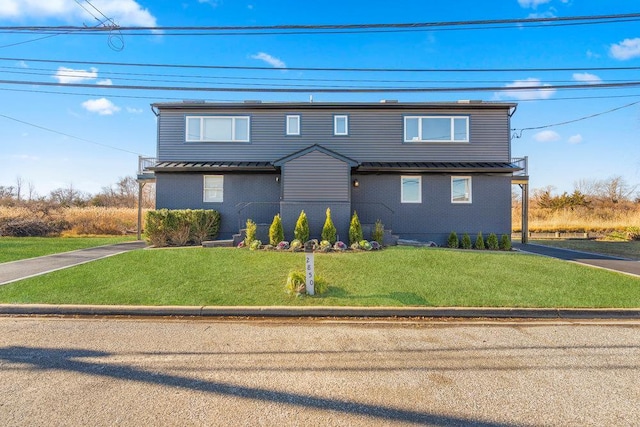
420, 138
402, 198
289, 131
346, 125
233, 128
468, 198
218, 186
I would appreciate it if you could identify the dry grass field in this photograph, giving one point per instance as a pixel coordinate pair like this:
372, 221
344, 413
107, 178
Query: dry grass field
579, 221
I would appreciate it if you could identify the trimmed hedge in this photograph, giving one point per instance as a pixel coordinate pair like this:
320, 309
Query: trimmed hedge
166, 227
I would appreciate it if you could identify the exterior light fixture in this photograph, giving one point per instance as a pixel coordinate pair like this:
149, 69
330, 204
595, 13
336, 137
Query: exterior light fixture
356, 183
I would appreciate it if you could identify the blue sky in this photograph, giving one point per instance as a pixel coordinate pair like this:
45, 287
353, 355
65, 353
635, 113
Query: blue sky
114, 125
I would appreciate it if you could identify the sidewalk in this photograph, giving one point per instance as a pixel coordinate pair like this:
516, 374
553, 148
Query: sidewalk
621, 265
23, 269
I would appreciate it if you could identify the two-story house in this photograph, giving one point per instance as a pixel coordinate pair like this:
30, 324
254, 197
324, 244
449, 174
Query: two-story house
423, 169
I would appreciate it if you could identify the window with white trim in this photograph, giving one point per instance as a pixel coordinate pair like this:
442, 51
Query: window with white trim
411, 189
436, 129
341, 125
217, 129
213, 188
293, 125
460, 189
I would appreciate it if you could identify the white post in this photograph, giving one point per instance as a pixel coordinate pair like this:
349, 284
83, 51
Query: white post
310, 273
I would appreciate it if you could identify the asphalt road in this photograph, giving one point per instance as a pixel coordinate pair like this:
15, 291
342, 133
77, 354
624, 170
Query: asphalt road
62, 371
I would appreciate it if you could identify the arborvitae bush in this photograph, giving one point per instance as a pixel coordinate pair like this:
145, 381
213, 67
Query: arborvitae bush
479, 242
178, 227
452, 241
505, 242
301, 231
378, 232
492, 242
276, 232
355, 229
251, 229
329, 232
466, 241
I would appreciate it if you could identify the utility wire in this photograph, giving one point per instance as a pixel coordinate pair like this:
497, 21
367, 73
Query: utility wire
518, 132
335, 90
374, 70
70, 136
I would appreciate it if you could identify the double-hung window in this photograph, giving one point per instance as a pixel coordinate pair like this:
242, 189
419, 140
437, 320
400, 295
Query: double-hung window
293, 125
341, 125
460, 189
436, 129
213, 188
217, 129
411, 189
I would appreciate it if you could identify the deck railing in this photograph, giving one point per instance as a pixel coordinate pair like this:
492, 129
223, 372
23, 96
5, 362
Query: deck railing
144, 163
523, 163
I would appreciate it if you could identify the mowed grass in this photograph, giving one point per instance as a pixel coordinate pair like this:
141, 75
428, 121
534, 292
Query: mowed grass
15, 248
621, 249
398, 276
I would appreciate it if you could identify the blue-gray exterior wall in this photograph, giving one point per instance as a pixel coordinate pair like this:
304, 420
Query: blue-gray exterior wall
378, 197
375, 135
257, 196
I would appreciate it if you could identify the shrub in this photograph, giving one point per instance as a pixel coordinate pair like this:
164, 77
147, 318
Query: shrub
283, 246
296, 245
505, 242
250, 232
340, 246
466, 241
255, 244
364, 244
452, 241
633, 233
178, 227
355, 246
276, 232
30, 227
492, 242
329, 230
375, 245
355, 229
301, 231
479, 242
378, 232
325, 246
296, 283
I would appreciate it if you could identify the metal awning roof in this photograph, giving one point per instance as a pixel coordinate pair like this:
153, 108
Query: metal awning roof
211, 166
504, 167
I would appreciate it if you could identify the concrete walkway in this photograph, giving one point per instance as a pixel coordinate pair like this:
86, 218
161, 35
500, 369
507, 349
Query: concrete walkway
621, 265
23, 269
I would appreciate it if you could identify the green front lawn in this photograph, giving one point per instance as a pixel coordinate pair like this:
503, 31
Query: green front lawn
398, 276
15, 248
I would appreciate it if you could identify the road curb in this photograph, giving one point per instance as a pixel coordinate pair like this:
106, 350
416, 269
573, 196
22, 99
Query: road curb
316, 311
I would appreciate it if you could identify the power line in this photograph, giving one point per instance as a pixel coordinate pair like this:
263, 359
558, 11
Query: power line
519, 134
374, 70
70, 136
335, 90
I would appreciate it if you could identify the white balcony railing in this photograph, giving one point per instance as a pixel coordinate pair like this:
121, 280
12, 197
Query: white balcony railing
144, 163
523, 163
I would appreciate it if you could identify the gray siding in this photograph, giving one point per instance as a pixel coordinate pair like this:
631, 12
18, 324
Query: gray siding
378, 197
255, 196
374, 135
315, 177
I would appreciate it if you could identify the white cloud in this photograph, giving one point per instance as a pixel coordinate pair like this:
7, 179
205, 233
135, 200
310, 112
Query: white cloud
587, 78
626, 49
123, 12
546, 136
134, 110
69, 75
548, 14
532, 3
23, 64
575, 139
526, 94
213, 3
102, 106
104, 82
591, 54
271, 60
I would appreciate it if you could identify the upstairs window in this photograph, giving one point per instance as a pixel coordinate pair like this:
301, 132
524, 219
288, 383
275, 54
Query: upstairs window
341, 125
460, 189
293, 125
217, 129
436, 129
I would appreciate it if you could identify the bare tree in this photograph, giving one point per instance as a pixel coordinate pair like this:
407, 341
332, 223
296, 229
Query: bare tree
18, 188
